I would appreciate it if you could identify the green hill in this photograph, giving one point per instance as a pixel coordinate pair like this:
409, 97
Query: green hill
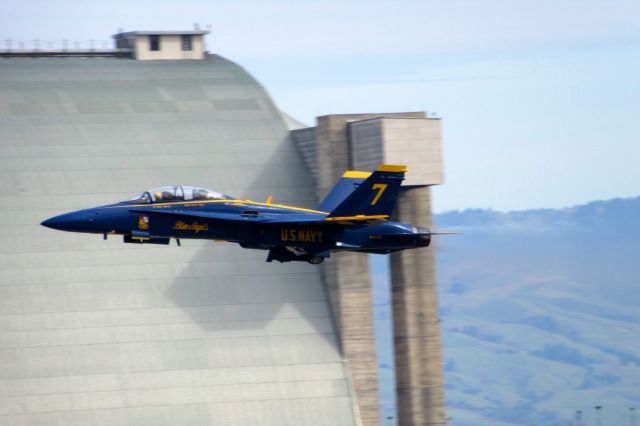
541, 314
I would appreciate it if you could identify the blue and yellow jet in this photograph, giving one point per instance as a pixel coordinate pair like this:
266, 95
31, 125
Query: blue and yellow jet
354, 216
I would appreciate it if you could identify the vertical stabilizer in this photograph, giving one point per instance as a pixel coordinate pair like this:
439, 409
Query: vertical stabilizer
376, 195
348, 183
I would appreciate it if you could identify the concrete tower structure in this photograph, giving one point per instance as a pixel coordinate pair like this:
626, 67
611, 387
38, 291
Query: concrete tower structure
105, 333
361, 142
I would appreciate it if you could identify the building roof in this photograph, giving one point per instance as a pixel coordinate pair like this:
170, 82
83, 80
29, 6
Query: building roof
187, 32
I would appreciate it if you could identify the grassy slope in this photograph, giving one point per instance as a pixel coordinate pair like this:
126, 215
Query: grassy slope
540, 313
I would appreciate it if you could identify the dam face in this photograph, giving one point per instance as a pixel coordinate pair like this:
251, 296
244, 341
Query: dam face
100, 332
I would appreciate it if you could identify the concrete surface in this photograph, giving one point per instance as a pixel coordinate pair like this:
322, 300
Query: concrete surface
102, 333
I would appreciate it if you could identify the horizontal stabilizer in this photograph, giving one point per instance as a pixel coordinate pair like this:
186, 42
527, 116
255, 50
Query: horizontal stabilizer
358, 218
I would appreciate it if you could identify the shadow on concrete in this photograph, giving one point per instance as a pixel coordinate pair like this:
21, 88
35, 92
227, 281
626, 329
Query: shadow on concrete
235, 292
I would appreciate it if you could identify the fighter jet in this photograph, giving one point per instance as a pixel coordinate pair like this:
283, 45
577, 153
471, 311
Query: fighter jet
354, 216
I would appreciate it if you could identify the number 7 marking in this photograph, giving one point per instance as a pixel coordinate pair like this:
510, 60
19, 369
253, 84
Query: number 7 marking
380, 187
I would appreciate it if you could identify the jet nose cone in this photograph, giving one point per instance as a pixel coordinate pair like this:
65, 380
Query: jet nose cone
52, 223
64, 222
76, 221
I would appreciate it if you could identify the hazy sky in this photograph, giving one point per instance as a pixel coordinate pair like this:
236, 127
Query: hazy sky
540, 98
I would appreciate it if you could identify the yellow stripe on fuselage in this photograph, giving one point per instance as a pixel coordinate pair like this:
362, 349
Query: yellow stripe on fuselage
242, 202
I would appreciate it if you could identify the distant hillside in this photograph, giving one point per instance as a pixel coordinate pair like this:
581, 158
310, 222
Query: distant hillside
541, 313
617, 214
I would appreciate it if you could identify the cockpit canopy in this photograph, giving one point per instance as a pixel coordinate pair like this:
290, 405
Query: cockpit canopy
178, 193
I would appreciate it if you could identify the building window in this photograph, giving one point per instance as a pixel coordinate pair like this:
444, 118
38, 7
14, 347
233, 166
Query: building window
154, 42
187, 43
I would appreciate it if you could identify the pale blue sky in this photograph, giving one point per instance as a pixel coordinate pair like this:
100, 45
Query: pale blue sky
540, 99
